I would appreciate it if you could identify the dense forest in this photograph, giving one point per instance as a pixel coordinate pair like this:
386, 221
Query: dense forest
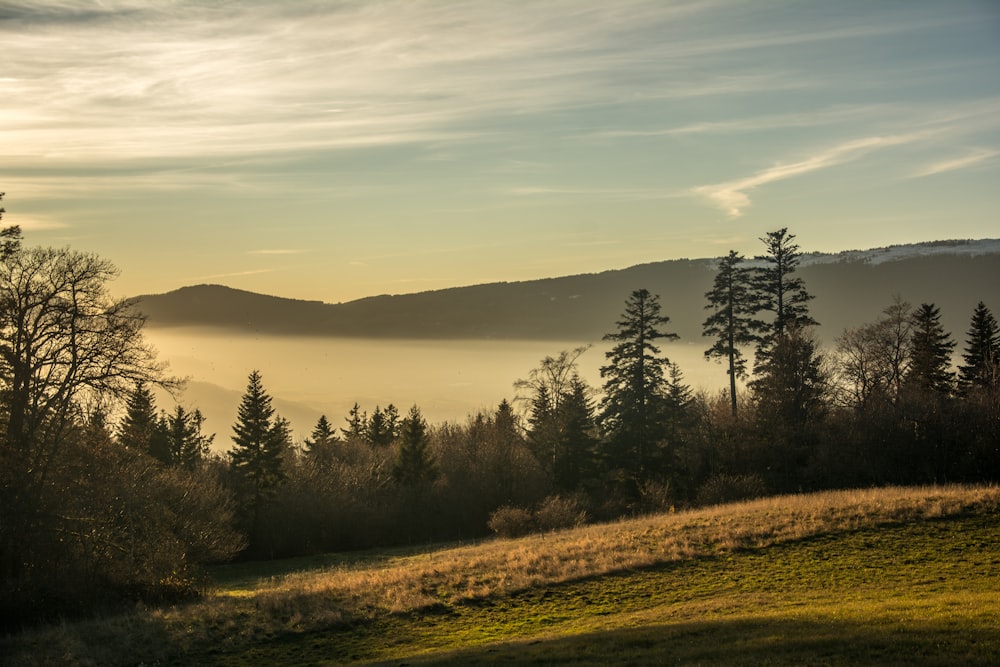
107, 498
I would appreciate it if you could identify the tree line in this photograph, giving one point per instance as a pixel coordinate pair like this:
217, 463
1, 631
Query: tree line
106, 497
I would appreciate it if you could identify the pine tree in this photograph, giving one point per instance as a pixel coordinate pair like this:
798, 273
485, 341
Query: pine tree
320, 444
186, 446
777, 291
577, 443
258, 446
632, 408
930, 352
140, 429
356, 424
383, 427
414, 461
982, 352
732, 322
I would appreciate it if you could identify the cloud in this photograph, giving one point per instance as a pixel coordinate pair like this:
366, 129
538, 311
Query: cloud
733, 198
276, 251
978, 156
234, 274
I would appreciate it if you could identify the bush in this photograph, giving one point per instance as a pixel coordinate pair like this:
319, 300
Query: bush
730, 488
511, 522
556, 512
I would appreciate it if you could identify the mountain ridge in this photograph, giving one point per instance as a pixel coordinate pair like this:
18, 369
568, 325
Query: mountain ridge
851, 287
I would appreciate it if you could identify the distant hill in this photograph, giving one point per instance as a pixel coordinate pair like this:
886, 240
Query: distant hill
850, 288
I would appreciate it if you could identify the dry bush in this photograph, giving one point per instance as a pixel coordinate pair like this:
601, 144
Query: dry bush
557, 512
720, 489
510, 522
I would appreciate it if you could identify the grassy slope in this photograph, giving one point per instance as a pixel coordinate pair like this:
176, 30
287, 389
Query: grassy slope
890, 577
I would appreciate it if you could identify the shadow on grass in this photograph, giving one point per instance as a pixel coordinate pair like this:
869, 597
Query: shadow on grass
745, 642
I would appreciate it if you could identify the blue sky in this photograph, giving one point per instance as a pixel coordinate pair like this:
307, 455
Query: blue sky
335, 150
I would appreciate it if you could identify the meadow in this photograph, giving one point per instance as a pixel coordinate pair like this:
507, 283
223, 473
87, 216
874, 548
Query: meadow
878, 576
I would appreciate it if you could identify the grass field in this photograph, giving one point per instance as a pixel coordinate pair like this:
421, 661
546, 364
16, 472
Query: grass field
891, 576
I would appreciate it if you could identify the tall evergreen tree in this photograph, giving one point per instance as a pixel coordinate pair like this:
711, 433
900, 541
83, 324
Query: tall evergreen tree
186, 445
357, 422
320, 444
632, 408
777, 291
930, 352
258, 445
732, 321
414, 461
383, 426
141, 429
982, 352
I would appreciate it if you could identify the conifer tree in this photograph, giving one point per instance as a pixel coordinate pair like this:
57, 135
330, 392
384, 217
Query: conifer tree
777, 291
732, 322
141, 429
357, 422
930, 352
632, 408
414, 461
186, 445
982, 352
319, 445
258, 445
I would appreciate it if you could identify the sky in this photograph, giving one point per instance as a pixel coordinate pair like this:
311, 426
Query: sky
337, 150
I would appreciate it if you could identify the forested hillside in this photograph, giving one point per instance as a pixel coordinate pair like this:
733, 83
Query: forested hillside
850, 288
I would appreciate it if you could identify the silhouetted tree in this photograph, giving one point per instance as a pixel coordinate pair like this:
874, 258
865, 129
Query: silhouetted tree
732, 322
319, 446
632, 409
982, 352
10, 237
930, 353
259, 441
777, 291
356, 423
414, 461
383, 426
64, 343
873, 359
141, 429
186, 445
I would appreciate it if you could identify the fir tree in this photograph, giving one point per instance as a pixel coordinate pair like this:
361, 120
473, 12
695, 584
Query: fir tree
320, 444
930, 352
982, 352
186, 445
632, 408
258, 445
414, 461
732, 322
777, 291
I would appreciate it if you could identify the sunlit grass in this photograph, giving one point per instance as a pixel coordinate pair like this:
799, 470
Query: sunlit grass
781, 565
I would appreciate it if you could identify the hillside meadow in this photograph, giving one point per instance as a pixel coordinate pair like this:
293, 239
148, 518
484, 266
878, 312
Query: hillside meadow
887, 576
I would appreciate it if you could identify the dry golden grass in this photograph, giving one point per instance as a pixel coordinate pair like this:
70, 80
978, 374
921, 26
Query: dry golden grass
229, 618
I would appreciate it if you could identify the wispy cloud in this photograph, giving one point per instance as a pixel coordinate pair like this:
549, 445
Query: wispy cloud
276, 251
233, 274
733, 196
973, 159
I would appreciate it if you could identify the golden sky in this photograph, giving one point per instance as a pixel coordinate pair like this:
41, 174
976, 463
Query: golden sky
335, 150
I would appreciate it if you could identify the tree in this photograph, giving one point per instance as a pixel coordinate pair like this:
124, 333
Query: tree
777, 291
930, 353
873, 359
732, 321
789, 395
632, 408
259, 443
186, 445
356, 424
10, 237
65, 344
140, 428
982, 352
414, 461
320, 444
383, 426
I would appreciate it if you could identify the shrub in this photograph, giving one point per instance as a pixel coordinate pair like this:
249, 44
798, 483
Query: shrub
511, 521
730, 488
556, 512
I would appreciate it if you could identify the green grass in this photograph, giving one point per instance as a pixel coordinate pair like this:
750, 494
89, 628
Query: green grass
883, 576
923, 593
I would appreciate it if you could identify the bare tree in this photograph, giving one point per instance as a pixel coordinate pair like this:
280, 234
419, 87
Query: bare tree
65, 343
